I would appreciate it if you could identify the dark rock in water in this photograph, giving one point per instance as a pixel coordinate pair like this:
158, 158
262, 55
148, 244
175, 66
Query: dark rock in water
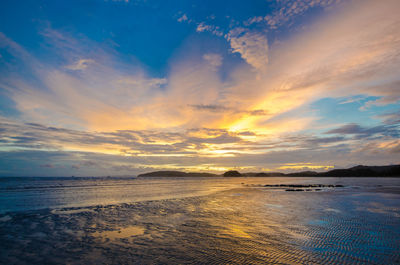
232, 173
303, 186
294, 190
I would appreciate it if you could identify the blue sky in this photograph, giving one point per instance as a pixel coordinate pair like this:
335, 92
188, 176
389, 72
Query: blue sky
123, 87
146, 30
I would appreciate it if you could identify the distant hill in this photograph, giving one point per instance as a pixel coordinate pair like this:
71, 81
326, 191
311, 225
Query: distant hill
357, 171
263, 174
303, 174
176, 174
365, 171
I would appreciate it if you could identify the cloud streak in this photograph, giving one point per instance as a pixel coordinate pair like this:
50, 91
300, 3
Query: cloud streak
212, 109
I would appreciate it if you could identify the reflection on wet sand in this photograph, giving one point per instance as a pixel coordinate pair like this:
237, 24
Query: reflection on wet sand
234, 230
245, 225
126, 232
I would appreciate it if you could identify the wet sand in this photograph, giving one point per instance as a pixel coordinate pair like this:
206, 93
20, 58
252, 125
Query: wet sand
248, 225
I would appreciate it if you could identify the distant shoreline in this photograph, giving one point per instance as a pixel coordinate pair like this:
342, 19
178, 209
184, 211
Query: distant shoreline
357, 171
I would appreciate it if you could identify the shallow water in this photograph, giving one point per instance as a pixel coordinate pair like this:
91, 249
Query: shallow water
202, 221
22, 194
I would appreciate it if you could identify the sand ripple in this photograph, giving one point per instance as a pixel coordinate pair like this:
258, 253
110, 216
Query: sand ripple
243, 226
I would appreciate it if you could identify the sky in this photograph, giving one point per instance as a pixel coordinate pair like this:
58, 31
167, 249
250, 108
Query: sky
102, 87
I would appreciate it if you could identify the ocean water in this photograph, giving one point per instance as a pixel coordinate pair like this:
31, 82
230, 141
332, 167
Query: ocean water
199, 221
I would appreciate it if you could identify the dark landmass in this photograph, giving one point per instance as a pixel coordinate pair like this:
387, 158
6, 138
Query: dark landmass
357, 171
303, 173
365, 171
177, 174
263, 174
232, 173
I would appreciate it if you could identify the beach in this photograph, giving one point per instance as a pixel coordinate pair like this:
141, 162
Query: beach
210, 221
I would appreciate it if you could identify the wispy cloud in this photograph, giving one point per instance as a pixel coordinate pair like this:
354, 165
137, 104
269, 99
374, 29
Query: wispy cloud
252, 111
252, 46
80, 64
202, 27
213, 58
224, 109
289, 10
391, 118
193, 149
305, 68
183, 18
361, 132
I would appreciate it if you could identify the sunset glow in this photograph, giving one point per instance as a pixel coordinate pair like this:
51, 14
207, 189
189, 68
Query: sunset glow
102, 88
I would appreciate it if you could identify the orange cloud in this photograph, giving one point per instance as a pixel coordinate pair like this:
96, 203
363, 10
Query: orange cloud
354, 50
